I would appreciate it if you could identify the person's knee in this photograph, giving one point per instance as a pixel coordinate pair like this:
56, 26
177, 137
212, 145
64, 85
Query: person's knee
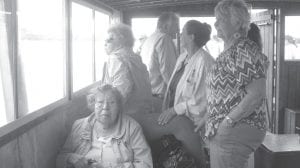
183, 128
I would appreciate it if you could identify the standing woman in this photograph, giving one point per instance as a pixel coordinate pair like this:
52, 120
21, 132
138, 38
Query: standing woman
236, 123
125, 70
186, 91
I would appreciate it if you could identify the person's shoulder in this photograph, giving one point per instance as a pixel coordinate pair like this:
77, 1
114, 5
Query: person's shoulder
129, 121
252, 49
207, 57
247, 44
80, 123
118, 61
161, 36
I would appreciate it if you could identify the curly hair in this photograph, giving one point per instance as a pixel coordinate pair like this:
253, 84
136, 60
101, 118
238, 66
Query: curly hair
123, 33
91, 97
234, 11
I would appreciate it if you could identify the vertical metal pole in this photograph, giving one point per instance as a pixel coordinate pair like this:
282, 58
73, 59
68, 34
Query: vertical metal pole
14, 52
94, 47
68, 56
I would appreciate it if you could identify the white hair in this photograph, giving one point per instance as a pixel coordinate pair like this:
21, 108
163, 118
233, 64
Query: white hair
236, 11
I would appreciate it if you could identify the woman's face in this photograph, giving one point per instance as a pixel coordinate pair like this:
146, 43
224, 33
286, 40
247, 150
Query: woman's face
106, 109
112, 43
185, 38
225, 28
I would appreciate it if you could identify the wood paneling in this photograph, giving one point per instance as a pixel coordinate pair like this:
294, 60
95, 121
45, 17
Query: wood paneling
293, 84
292, 121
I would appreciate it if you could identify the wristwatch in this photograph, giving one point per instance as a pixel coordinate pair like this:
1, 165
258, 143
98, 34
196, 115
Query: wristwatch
229, 121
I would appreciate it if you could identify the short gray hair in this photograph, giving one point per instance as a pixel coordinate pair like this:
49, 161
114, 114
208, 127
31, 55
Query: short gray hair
91, 97
234, 10
165, 17
123, 33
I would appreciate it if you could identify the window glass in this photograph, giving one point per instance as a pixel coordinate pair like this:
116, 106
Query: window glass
41, 51
292, 38
82, 46
3, 119
101, 26
142, 28
254, 11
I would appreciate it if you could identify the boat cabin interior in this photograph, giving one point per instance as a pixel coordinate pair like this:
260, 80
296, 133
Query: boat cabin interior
51, 55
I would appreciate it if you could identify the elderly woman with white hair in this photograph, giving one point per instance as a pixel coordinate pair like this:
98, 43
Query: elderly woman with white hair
107, 138
124, 70
236, 122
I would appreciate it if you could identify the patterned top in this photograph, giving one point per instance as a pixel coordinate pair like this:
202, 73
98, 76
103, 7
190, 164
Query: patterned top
235, 68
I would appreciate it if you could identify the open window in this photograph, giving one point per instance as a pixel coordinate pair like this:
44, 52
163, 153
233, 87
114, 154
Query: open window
292, 38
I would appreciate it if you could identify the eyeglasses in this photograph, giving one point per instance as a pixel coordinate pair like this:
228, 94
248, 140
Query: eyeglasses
101, 103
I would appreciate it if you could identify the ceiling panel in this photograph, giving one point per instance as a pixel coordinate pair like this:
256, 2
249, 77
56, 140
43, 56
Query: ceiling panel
140, 4
143, 4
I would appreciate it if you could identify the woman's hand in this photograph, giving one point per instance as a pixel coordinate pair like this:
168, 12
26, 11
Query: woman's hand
225, 124
166, 116
199, 123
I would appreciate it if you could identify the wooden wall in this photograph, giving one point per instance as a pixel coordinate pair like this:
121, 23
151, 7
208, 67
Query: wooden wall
39, 146
292, 84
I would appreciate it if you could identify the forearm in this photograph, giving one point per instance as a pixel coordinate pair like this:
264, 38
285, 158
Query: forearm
191, 107
138, 164
255, 92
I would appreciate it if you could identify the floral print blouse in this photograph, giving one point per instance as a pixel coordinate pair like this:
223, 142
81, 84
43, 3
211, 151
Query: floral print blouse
235, 68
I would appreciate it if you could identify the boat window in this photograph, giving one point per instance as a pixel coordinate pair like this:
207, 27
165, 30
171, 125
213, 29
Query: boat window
101, 26
82, 46
292, 38
142, 28
41, 50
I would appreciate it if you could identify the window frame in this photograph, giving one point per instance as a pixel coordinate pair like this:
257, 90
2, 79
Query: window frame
20, 125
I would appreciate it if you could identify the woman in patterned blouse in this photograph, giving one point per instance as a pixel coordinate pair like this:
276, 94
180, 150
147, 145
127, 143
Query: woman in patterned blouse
236, 123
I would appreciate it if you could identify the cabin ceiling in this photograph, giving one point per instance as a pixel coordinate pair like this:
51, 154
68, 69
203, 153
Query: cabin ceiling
125, 5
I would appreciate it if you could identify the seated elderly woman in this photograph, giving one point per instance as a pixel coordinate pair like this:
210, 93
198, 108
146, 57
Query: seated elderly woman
236, 123
106, 138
